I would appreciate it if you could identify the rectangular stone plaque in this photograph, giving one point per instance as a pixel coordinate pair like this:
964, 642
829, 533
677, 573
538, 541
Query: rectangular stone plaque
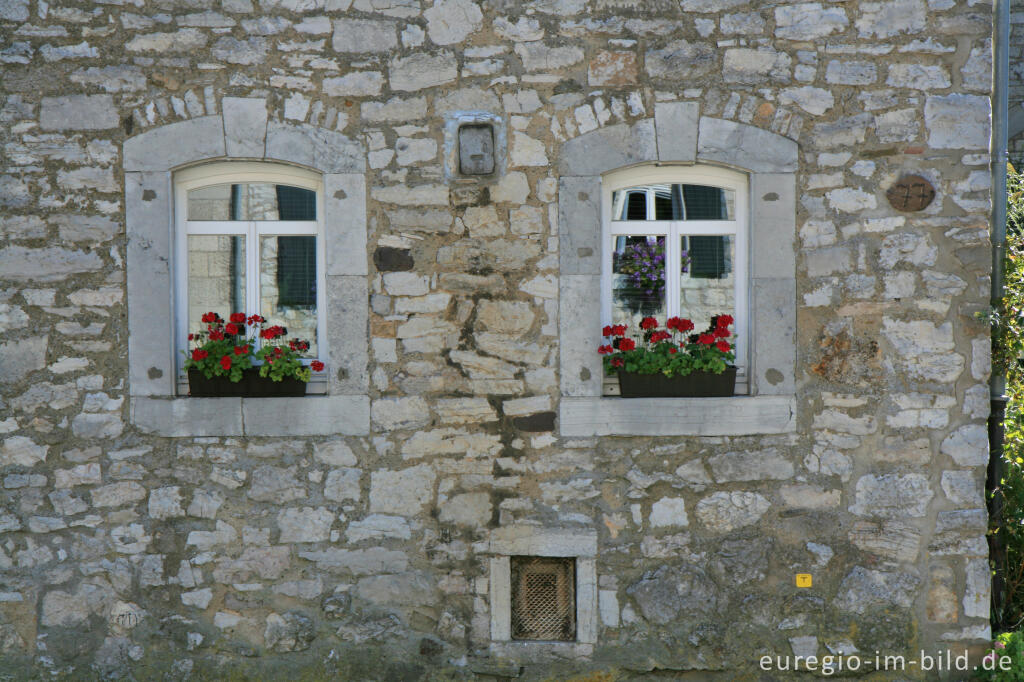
476, 150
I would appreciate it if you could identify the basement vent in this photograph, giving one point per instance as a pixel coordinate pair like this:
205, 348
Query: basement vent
543, 598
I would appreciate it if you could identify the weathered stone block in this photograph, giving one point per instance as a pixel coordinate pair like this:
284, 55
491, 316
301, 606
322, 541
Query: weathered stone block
78, 112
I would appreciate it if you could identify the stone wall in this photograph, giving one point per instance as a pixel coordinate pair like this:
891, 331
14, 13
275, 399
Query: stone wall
367, 532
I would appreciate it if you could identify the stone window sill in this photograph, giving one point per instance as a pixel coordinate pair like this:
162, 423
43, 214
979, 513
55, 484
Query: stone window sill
301, 416
735, 416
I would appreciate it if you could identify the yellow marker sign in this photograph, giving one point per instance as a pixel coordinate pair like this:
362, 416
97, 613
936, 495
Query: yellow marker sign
803, 579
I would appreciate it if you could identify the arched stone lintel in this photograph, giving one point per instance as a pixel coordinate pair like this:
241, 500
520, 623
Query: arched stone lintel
678, 134
242, 131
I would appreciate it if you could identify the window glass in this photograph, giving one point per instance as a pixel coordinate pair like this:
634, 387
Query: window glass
708, 284
674, 202
638, 278
216, 277
251, 201
288, 295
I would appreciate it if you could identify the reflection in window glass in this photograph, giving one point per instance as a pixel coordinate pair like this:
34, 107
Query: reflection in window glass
707, 285
674, 202
251, 201
216, 277
638, 279
288, 295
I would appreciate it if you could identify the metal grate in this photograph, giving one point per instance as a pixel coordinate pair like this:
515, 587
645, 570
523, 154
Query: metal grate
543, 598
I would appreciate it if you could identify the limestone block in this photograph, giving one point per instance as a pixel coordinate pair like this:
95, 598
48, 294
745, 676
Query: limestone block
343, 484
175, 144
21, 451
245, 126
378, 527
325, 150
579, 226
942, 606
393, 414
364, 35
892, 496
466, 509
755, 465
748, 65
334, 453
78, 112
957, 121
165, 503
893, 539
360, 561
672, 592
809, 21
422, 70
745, 146
963, 488
723, 512
676, 127
607, 148
887, 19
450, 21
276, 484
864, 590
668, 511
118, 494
978, 589
680, 59
968, 445
305, 524
403, 492
355, 84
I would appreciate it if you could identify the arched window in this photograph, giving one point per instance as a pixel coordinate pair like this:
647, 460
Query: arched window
249, 238
674, 243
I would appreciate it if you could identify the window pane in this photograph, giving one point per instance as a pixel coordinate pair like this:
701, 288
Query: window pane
675, 202
288, 295
707, 285
638, 278
216, 277
251, 201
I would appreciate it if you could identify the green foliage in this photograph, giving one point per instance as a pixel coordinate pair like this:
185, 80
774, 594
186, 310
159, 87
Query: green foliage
1008, 358
1004, 662
281, 361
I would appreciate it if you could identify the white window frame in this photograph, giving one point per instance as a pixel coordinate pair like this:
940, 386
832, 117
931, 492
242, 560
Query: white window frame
672, 230
239, 173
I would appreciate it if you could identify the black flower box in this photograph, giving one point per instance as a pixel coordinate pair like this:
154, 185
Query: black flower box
693, 385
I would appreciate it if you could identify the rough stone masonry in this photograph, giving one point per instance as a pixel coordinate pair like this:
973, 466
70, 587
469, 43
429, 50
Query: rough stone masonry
362, 533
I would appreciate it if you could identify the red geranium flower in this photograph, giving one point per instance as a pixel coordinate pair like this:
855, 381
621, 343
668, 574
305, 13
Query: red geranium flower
659, 336
225, 362
617, 362
278, 352
198, 354
216, 335
231, 329
241, 350
316, 366
605, 350
722, 333
648, 323
619, 330
255, 319
723, 346
607, 331
237, 318
210, 317
673, 350
680, 324
724, 320
627, 344
706, 339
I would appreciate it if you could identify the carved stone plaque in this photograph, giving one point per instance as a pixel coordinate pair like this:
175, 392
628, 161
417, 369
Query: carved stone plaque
910, 193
